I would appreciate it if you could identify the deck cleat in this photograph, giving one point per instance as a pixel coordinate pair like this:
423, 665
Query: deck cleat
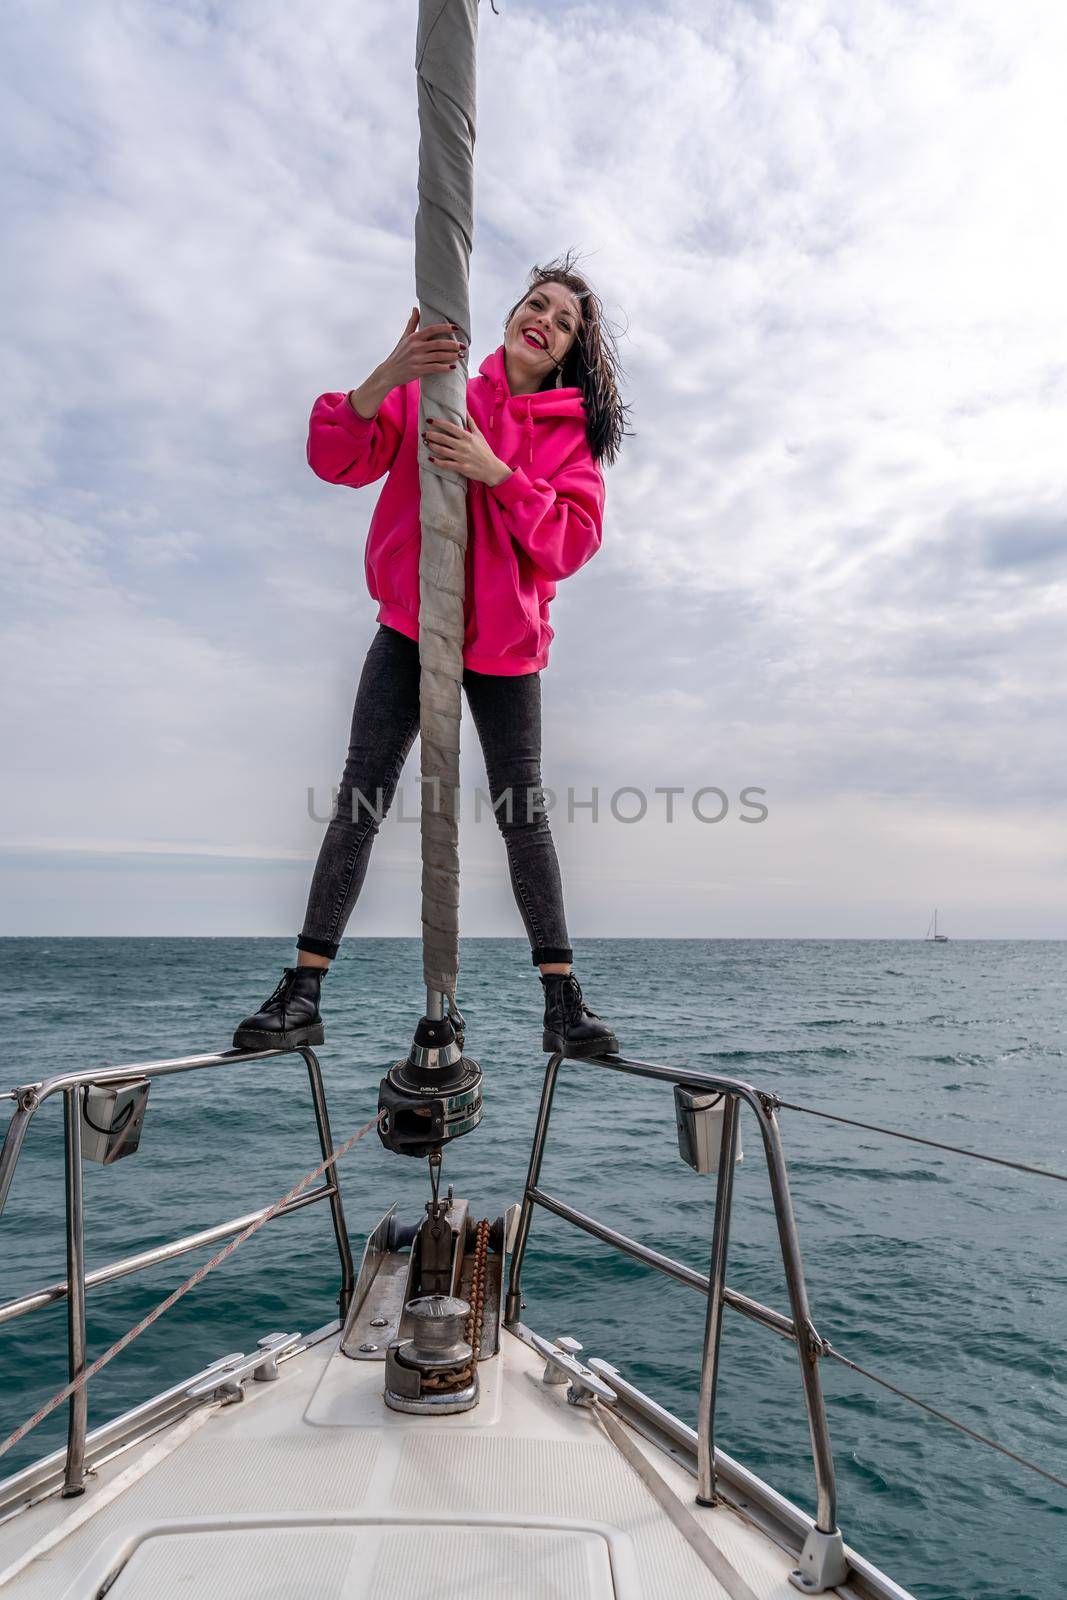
585, 1387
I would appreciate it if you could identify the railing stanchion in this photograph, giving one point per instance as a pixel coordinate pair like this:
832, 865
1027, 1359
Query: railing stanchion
709, 1368
340, 1227
513, 1305
809, 1346
74, 1477
789, 1240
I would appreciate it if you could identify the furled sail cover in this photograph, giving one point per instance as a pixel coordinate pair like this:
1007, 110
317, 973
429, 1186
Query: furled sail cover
445, 59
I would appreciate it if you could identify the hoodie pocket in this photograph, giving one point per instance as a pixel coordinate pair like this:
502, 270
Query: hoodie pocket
528, 602
393, 568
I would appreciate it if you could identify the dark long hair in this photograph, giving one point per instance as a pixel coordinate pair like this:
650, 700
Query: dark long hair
592, 362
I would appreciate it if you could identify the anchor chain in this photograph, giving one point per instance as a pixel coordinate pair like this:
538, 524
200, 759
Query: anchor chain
474, 1326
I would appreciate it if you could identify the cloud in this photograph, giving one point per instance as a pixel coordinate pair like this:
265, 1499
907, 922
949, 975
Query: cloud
1030, 543
827, 233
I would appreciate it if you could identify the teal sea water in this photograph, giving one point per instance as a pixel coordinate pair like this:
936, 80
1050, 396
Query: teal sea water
946, 1276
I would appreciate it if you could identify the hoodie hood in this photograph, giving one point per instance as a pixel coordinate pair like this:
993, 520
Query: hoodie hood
545, 403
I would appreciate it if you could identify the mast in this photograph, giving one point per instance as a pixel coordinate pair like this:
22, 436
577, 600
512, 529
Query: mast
445, 59
434, 1094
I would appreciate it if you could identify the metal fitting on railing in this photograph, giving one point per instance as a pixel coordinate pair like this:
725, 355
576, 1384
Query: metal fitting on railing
822, 1563
815, 1344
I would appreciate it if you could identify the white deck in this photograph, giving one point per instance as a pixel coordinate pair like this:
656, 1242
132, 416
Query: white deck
311, 1489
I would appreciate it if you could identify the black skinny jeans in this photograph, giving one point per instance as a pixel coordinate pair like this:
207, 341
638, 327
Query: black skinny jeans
385, 722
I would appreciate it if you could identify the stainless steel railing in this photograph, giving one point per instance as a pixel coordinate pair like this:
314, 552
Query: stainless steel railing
811, 1346
29, 1099
798, 1326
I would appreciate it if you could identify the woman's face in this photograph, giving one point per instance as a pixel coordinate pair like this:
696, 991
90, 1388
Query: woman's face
549, 312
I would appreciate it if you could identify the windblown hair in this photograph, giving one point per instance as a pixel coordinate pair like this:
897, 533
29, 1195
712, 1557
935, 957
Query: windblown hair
592, 362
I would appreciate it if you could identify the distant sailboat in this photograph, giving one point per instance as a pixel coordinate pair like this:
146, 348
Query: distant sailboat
935, 937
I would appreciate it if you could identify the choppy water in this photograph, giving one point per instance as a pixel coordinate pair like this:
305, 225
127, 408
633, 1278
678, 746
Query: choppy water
946, 1276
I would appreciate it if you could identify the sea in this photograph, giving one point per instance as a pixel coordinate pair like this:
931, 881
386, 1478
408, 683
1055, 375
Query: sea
945, 1276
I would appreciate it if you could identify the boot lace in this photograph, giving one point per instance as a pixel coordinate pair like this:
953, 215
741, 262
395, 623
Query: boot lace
280, 993
571, 996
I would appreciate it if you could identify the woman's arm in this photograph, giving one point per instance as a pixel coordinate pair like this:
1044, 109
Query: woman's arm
345, 445
368, 397
557, 522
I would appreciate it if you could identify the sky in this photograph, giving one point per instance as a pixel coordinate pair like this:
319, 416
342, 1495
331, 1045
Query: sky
830, 240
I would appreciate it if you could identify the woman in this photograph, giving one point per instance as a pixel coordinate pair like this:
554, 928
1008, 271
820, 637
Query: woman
542, 412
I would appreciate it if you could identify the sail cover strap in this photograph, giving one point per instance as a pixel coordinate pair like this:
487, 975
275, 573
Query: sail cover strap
445, 59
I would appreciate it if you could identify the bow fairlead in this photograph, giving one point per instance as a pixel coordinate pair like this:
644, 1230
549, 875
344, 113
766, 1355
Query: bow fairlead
433, 1095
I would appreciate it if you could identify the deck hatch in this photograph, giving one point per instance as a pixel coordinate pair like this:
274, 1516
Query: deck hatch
467, 1561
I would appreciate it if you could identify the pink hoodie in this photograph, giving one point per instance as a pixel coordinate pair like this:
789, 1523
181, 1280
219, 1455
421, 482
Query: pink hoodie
538, 526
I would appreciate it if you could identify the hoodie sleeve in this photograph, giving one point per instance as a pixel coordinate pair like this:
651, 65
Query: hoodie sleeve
559, 523
344, 447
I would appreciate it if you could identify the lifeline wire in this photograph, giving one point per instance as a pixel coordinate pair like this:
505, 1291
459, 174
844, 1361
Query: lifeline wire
943, 1416
190, 1283
828, 1349
935, 1144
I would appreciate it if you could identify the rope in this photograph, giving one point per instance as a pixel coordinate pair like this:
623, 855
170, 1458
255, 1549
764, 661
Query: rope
935, 1144
699, 1541
943, 1416
104, 1496
190, 1283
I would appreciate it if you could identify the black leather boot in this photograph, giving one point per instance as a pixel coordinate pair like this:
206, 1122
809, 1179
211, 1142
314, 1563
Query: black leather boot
290, 1016
570, 1026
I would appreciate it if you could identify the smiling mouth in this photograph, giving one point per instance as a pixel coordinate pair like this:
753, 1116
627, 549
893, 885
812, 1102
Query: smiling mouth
534, 343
